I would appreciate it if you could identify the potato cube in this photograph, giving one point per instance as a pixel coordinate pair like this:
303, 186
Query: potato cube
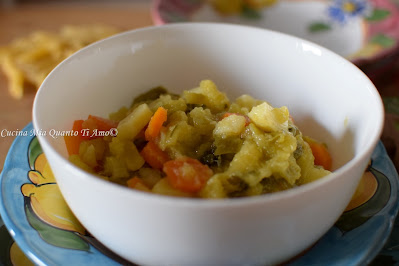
132, 157
232, 125
115, 168
87, 153
132, 124
126, 152
268, 118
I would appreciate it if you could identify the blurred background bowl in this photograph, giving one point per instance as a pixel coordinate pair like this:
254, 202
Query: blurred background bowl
363, 31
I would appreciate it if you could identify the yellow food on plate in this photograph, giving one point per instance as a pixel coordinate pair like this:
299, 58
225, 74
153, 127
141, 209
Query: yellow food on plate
198, 144
27, 61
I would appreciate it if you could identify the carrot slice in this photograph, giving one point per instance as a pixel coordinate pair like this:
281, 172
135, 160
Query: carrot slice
187, 174
84, 129
321, 154
154, 156
72, 142
154, 126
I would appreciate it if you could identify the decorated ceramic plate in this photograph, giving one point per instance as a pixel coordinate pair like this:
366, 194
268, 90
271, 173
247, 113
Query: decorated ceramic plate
39, 224
360, 30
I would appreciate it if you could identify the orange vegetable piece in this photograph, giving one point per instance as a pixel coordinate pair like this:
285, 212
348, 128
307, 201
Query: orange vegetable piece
73, 142
187, 174
154, 156
92, 122
154, 126
321, 154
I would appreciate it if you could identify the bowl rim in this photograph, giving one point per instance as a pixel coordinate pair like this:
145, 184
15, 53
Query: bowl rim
226, 202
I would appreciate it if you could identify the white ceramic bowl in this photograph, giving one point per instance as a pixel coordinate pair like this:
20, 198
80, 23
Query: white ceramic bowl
329, 98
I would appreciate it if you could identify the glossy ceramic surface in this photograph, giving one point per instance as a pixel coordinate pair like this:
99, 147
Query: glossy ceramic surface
360, 30
119, 68
355, 239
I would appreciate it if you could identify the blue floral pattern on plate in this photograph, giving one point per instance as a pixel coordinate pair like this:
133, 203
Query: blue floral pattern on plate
356, 238
343, 10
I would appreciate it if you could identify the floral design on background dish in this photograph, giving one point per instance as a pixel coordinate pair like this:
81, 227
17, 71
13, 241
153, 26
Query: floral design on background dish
360, 30
46, 209
353, 240
380, 16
